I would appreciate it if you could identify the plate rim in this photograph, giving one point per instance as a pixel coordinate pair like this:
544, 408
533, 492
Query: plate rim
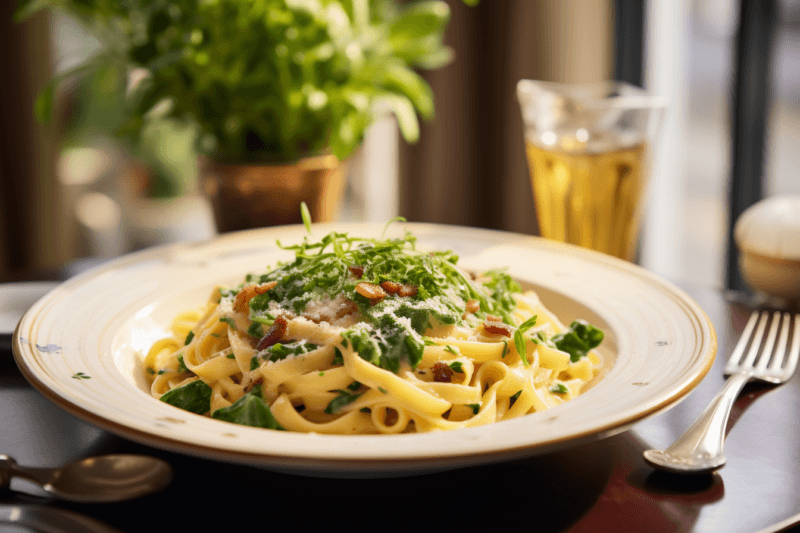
374, 464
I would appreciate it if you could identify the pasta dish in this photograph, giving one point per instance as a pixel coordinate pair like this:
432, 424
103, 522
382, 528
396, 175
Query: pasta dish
371, 336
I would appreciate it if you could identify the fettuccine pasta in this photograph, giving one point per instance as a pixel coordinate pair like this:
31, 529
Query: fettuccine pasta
371, 336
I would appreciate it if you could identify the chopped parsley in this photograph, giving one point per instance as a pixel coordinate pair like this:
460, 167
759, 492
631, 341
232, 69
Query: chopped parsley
559, 388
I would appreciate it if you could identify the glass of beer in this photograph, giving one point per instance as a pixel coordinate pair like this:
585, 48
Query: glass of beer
588, 148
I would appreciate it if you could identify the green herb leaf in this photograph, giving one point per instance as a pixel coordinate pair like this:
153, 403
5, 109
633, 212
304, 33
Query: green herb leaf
249, 410
559, 388
194, 397
519, 338
231, 322
457, 366
476, 407
306, 216
578, 340
189, 338
522, 349
340, 401
182, 365
338, 358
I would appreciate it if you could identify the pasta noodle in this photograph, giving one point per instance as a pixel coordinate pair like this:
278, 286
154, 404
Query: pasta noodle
370, 336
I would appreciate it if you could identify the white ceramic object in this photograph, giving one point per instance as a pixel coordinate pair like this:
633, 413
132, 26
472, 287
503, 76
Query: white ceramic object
659, 345
768, 237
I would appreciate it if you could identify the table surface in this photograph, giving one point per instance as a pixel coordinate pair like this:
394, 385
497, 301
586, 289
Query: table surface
596, 487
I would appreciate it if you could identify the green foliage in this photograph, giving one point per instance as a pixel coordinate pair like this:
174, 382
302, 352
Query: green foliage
249, 410
265, 80
578, 340
194, 397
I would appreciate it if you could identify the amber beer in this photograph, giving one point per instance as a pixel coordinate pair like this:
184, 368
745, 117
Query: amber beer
591, 199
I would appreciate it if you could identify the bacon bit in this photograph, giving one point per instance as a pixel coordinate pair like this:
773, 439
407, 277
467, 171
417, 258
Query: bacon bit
248, 293
408, 290
391, 287
357, 271
442, 373
371, 292
273, 334
495, 326
473, 306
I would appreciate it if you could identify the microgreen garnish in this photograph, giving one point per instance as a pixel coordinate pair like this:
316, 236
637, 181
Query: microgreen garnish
229, 321
189, 338
81, 375
476, 407
519, 338
452, 349
392, 327
306, 216
457, 366
395, 219
559, 388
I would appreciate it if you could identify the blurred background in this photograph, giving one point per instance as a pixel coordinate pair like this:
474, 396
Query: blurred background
71, 196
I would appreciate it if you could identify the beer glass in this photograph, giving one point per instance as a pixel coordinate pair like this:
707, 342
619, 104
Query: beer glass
588, 148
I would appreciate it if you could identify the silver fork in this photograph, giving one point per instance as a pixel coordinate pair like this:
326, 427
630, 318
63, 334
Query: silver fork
700, 448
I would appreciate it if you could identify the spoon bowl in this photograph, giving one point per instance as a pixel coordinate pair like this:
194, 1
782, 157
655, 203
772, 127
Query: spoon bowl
105, 478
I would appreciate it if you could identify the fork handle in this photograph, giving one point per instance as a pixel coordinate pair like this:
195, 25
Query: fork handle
700, 448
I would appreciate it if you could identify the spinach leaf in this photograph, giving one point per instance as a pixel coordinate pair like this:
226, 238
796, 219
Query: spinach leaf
578, 340
340, 401
182, 365
194, 397
249, 410
280, 351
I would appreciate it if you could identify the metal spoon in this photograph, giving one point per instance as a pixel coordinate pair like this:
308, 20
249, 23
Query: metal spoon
105, 478
51, 519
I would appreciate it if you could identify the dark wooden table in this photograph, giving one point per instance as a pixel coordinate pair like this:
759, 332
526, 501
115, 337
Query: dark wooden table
597, 487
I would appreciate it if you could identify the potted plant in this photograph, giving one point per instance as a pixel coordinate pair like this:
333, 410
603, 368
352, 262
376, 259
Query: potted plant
279, 92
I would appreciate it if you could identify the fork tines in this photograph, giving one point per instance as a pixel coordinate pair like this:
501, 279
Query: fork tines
767, 358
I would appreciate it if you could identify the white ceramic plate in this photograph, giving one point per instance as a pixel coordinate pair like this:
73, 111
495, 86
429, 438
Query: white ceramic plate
82, 343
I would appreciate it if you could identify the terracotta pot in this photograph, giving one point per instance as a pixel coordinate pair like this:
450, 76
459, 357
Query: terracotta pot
253, 196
